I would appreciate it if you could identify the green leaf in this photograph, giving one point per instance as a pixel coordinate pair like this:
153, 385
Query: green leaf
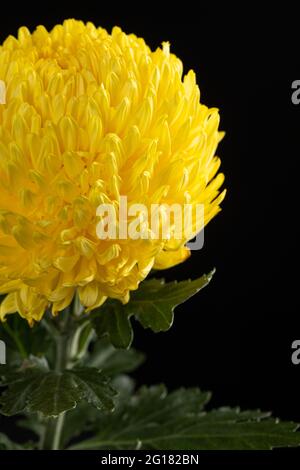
20, 383
112, 320
94, 387
152, 304
114, 361
153, 419
49, 393
33, 388
86, 419
53, 394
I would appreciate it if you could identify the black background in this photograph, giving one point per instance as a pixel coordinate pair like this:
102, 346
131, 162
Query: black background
235, 337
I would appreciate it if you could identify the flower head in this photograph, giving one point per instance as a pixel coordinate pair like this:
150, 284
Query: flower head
88, 117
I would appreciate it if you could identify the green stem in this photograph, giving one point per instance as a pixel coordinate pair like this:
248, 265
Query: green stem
48, 325
54, 426
53, 433
61, 353
69, 344
59, 424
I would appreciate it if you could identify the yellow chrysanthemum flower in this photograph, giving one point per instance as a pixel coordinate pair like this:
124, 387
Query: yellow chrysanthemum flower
89, 116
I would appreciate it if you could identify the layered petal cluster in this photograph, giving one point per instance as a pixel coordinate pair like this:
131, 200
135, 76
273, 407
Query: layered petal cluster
88, 117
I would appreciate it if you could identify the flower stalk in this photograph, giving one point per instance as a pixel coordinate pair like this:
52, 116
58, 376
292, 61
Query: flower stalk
54, 426
71, 340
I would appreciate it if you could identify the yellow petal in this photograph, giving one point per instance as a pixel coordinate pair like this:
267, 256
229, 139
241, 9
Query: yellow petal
167, 259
